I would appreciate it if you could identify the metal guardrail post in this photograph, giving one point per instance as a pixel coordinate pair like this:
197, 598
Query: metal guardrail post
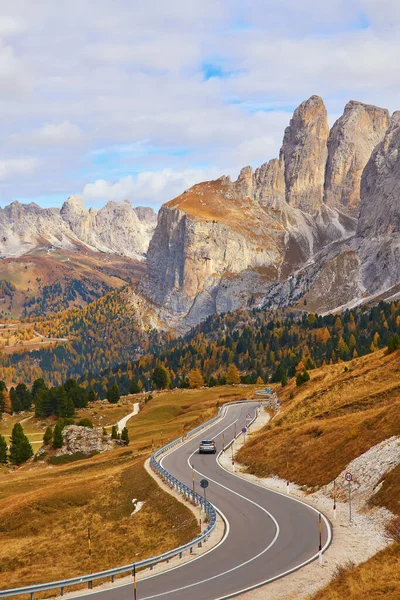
187, 492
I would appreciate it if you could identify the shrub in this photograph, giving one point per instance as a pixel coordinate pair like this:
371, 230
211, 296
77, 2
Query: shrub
302, 378
394, 343
48, 435
85, 423
125, 435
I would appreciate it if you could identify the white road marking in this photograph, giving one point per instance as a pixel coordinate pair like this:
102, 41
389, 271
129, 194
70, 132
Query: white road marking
240, 496
257, 585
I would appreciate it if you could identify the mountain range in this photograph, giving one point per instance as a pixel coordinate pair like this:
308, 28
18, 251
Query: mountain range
317, 227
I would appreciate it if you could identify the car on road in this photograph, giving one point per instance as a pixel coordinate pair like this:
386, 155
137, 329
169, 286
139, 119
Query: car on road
207, 447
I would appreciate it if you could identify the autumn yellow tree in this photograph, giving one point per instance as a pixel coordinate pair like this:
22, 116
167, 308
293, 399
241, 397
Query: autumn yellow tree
232, 375
195, 378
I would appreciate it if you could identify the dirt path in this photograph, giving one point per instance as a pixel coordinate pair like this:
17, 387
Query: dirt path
122, 422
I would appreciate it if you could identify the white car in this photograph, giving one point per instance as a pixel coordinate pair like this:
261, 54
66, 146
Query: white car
207, 447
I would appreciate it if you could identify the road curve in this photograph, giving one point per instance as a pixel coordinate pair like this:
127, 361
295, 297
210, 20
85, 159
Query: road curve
268, 534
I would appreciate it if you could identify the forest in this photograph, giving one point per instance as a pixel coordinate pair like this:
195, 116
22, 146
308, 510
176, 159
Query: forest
108, 346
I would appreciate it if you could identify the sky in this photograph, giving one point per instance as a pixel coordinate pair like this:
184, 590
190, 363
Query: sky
120, 99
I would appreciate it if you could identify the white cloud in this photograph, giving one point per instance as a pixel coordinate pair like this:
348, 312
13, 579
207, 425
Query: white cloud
148, 187
10, 26
14, 76
63, 134
132, 74
17, 167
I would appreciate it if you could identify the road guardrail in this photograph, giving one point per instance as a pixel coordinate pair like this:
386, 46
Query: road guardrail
133, 568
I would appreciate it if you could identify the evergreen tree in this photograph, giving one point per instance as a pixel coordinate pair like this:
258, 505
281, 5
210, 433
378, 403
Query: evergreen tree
16, 404
92, 396
20, 448
394, 343
38, 385
3, 451
114, 433
161, 377
113, 394
57, 436
76, 394
134, 387
48, 435
302, 377
2, 402
65, 406
24, 395
284, 380
125, 435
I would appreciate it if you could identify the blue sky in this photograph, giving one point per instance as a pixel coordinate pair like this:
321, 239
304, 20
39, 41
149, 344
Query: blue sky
142, 100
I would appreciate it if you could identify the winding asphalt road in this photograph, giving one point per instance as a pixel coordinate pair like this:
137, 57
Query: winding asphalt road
267, 534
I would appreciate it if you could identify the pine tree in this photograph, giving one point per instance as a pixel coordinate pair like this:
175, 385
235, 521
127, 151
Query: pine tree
20, 448
92, 396
3, 451
284, 380
134, 387
114, 433
394, 343
48, 435
16, 404
161, 377
113, 394
65, 405
57, 435
125, 435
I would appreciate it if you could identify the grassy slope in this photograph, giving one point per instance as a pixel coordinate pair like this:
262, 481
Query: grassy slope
45, 511
331, 420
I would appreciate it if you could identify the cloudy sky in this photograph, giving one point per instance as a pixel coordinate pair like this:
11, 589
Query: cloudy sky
118, 99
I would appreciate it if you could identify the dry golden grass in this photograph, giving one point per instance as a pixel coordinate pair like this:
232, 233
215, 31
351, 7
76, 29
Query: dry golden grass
45, 511
327, 423
376, 579
330, 421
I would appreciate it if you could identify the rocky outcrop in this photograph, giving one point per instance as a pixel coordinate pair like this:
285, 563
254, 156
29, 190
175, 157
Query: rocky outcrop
84, 440
215, 249
115, 229
23, 227
380, 187
203, 240
304, 153
269, 184
351, 141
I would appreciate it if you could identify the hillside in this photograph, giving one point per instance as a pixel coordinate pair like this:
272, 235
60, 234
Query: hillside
47, 281
342, 412
46, 511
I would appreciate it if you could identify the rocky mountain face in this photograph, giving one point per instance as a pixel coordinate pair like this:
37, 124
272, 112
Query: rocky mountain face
367, 265
223, 245
117, 228
351, 142
304, 153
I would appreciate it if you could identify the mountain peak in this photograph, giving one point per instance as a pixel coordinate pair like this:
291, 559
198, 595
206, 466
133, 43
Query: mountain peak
304, 153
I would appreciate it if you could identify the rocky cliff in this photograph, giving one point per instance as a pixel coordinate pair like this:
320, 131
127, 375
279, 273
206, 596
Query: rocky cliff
366, 265
351, 141
223, 245
304, 153
117, 228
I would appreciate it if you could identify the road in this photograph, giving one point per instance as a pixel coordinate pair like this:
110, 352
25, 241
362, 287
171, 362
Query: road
267, 534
